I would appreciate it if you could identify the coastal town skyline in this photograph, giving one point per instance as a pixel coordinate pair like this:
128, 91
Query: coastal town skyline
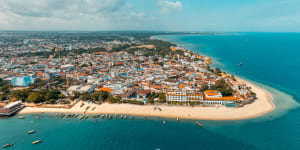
157, 15
149, 74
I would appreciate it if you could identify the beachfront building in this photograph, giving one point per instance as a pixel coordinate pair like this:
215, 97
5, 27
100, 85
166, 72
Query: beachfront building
11, 108
183, 95
209, 97
213, 97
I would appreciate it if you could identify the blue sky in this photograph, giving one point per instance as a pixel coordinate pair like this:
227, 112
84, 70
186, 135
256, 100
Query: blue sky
168, 15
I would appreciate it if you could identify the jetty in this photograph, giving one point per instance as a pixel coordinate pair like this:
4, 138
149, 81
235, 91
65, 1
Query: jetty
11, 109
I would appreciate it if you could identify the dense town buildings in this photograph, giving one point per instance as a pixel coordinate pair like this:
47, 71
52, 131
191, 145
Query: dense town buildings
127, 66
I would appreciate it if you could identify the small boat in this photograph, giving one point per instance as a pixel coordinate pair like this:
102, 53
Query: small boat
177, 119
241, 64
125, 117
102, 116
159, 108
37, 117
31, 131
82, 116
7, 145
199, 124
121, 116
81, 104
145, 118
97, 116
164, 122
37, 141
95, 120
21, 117
132, 118
108, 116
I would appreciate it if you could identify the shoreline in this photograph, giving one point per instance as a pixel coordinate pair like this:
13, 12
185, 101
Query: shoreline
262, 105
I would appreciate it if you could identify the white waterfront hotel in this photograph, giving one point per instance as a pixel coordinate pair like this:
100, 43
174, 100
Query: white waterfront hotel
210, 97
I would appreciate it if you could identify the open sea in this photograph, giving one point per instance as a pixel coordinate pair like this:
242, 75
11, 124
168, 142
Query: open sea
271, 60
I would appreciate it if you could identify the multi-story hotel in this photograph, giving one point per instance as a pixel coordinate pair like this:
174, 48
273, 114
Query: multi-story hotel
213, 97
210, 97
182, 95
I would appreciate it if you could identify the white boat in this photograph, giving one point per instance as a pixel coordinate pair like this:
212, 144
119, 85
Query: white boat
21, 117
37, 141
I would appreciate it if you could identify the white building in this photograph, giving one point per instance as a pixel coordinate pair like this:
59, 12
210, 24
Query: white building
213, 97
212, 94
182, 95
80, 89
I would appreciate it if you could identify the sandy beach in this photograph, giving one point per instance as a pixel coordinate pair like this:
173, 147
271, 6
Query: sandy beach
261, 106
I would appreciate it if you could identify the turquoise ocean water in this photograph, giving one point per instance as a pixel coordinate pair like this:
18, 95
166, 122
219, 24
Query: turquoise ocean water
271, 60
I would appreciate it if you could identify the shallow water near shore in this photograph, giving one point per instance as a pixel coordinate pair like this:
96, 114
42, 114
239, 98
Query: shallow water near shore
277, 130
271, 61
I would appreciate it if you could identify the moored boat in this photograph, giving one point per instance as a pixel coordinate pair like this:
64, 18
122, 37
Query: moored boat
37, 141
31, 131
199, 124
21, 117
95, 116
164, 122
7, 145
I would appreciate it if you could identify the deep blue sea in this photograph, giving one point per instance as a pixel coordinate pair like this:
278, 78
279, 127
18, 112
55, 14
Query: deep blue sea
271, 60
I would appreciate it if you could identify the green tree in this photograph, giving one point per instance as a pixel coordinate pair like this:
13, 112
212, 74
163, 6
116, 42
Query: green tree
218, 70
20, 94
53, 94
35, 97
162, 98
110, 99
2, 97
61, 96
221, 83
104, 95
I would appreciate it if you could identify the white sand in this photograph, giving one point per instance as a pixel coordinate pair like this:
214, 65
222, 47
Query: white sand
259, 107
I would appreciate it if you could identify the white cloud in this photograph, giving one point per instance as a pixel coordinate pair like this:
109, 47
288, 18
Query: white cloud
168, 7
68, 14
61, 8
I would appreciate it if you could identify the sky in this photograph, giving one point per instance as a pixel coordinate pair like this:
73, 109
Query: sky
158, 15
